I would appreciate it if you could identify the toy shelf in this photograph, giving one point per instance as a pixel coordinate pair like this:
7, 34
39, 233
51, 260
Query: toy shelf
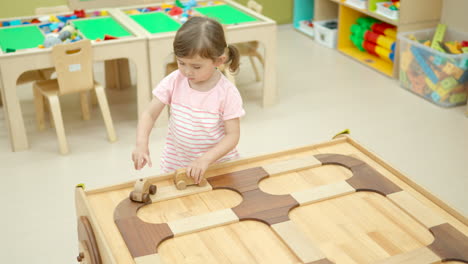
413, 15
303, 11
348, 17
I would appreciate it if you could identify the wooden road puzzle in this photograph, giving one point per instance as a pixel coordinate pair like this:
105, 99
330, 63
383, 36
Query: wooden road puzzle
333, 202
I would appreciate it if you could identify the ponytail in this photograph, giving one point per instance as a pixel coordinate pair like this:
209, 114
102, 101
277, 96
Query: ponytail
233, 58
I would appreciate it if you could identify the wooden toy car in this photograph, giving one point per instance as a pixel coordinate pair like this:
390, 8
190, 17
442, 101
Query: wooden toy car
181, 180
142, 191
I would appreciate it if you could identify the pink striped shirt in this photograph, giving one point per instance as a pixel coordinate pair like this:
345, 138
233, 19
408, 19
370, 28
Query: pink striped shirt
196, 122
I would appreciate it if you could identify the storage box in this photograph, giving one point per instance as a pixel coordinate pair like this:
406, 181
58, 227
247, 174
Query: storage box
387, 12
325, 34
307, 27
362, 4
438, 77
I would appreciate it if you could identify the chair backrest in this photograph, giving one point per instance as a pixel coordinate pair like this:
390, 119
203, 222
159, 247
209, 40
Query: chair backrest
52, 10
252, 4
74, 66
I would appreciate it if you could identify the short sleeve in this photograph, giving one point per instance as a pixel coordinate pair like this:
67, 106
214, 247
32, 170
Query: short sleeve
165, 88
233, 104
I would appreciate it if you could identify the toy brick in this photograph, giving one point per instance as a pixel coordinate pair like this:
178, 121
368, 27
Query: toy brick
404, 78
430, 84
423, 64
438, 60
448, 83
438, 35
406, 59
452, 70
457, 98
464, 77
435, 97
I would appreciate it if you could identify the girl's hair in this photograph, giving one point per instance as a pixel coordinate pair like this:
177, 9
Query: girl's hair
204, 37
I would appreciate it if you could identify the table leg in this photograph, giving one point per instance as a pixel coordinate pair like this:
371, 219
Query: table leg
270, 89
12, 110
117, 73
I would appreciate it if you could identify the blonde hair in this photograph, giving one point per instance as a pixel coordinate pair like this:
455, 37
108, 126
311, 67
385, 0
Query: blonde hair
204, 37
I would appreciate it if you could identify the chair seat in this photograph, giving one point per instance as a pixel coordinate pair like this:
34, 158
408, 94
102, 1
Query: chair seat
48, 87
31, 76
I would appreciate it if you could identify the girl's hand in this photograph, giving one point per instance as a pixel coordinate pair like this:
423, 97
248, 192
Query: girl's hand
141, 157
197, 169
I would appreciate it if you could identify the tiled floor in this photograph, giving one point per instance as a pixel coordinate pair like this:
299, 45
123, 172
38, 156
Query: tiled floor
321, 92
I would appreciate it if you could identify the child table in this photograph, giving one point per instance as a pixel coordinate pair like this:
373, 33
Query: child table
333, 202
26, 38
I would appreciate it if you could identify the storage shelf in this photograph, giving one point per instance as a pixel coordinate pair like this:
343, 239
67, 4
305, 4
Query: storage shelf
372, 14
414, 15
306, 32
372, 61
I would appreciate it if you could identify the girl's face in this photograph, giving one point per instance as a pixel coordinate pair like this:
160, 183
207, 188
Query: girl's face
198, 69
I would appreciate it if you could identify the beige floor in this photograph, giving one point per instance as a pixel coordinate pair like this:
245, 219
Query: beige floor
321, 93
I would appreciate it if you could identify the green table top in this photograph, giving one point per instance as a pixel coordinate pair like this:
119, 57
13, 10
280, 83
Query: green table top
22, 37
157, 22
98, 27
226, 14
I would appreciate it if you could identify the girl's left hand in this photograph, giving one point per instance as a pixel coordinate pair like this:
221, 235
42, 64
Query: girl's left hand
197, 168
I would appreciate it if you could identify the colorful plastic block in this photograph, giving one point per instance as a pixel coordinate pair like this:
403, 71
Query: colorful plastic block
423, 64
435, 97
457, 98
448, 83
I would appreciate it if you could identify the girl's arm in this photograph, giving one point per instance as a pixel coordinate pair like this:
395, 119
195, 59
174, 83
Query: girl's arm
140, 155
197, 168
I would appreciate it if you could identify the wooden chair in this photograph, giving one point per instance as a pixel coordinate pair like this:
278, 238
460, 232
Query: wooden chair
74, 67
43, 74
250, 48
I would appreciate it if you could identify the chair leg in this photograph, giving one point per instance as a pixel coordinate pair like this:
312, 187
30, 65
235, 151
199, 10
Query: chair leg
58, 123
259, 57
106, 115
93, 99
46, 73
257, 75
51, 118
39, 105
85, 106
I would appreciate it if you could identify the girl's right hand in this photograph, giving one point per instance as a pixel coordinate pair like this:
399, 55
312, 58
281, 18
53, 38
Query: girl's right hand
141, 157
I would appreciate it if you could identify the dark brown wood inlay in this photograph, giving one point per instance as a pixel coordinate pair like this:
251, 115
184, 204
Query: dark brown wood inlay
141, 238
267, 208
365, 178
256, 205
239, 181
127, 208
449, 243
338, 159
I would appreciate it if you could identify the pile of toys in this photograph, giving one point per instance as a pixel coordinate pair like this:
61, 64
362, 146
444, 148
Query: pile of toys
435, 69
53, 21
389, 9
179, 11
376, 38
56, 29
